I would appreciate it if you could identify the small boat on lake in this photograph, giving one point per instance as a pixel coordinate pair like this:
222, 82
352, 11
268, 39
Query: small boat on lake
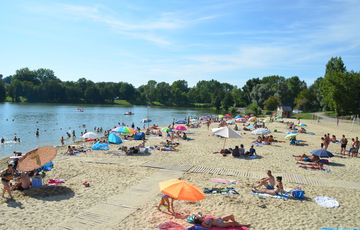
129, 113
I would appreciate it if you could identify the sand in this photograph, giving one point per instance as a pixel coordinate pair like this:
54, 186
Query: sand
48, 207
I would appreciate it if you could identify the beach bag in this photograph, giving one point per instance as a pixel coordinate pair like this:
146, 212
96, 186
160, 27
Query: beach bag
191, 219
298, 194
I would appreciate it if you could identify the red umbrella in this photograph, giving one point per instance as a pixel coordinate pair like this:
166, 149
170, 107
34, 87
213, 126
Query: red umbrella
227, 115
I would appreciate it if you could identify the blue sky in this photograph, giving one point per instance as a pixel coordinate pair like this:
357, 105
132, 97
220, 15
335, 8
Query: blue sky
140, 40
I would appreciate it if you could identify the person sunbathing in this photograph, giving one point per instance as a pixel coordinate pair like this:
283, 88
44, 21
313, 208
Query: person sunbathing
302, 130
279, 190
312, 158
268, 182
70, 151
221, 222
258, 140
317, 165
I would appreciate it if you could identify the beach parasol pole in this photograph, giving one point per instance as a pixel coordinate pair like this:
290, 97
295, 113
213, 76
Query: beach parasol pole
224, 143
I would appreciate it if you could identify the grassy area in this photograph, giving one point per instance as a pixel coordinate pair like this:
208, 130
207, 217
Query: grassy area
330, 113
156, 103
122, 102
305, 116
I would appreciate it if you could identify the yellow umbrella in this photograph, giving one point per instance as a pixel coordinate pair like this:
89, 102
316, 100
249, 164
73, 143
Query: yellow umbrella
252, 119
36, 158
181, 190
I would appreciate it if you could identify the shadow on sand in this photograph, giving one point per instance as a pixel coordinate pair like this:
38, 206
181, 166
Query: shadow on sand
50, 193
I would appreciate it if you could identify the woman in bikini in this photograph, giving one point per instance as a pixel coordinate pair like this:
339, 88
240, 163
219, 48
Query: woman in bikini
221, 222
166, 202
6, 176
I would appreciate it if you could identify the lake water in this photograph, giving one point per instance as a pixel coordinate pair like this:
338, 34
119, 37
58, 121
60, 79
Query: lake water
54, 121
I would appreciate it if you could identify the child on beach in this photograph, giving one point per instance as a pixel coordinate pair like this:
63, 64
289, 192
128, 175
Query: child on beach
165, 202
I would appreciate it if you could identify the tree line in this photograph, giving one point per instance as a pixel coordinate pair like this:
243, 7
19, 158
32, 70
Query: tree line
337, 90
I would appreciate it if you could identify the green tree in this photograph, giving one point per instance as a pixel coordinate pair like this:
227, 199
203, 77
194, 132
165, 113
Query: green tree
253, 109
336, 88
2, 91
306, 101
227, 102
271, 103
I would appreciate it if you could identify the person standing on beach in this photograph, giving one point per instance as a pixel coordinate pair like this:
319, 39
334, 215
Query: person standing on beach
6, 176
62, 140
343, 143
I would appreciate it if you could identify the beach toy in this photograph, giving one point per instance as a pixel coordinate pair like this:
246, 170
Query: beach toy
275, 130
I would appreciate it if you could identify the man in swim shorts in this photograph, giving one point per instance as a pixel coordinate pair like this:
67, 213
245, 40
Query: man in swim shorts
268, 182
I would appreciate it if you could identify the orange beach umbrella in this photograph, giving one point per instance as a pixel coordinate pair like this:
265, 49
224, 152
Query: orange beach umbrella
181, 190
36, 158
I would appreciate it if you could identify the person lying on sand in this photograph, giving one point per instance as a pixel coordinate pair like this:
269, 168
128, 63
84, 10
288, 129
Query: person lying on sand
279, 190
268, 182
302, 130
306, 158
317, 165
333, 139
221, 222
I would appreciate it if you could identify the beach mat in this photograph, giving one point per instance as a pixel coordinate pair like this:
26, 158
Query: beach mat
310, 133
171, 226
230, 228
286, 196
224, 181
226, 190
340, 228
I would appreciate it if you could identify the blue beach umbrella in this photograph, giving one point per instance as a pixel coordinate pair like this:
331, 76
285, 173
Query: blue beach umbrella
238, 116
322, 153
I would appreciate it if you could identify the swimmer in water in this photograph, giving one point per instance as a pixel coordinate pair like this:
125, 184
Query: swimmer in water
2, 140
37, 132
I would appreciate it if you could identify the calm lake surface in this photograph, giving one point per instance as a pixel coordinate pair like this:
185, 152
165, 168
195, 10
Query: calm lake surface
54, 121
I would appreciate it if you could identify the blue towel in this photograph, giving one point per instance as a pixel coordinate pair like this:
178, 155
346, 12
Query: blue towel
190, 133
257, 144
311, 133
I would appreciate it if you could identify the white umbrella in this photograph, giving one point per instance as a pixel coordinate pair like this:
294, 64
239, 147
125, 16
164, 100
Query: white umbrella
261, 131
214, 130
227, 133
89, 135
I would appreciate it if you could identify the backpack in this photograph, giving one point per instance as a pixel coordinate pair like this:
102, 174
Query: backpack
298, 194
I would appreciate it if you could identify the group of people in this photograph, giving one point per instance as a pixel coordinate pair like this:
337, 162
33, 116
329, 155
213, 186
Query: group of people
22, 181
201, 220
269, 183
264, 139
312, 162
16, 139
239, 152
353, 151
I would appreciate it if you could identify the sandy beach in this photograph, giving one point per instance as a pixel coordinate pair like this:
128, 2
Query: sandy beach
111, 176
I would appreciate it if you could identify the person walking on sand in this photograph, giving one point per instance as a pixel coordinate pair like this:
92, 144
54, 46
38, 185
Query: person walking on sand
268, 182
6, 176
343, 143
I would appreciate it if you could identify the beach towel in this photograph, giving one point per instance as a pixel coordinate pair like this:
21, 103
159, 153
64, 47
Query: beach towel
340, 228
258, 144
54, 182
252, 157
310, 133
224, 181
292, 132
327, 202
286, 196
190, 133
197, 227
229, 228
171, 226
226, 190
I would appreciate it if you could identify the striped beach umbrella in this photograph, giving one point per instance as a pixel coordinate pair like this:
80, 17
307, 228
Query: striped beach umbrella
124, 130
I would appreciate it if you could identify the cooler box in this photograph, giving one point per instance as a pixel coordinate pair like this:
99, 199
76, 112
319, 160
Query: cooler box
36, 181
